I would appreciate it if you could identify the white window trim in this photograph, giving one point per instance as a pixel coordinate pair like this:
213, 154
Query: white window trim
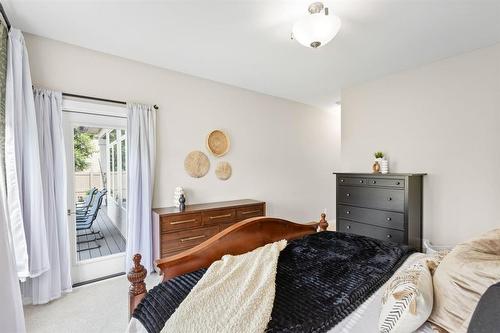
94, 107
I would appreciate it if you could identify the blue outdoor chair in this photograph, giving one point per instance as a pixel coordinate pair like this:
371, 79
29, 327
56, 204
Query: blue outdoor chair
86, 222
82, 208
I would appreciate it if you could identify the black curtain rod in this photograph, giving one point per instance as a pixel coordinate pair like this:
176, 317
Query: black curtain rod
94, 98
99, 99
5, 18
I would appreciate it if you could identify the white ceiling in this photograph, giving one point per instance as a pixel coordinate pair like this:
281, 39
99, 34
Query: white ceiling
247, 43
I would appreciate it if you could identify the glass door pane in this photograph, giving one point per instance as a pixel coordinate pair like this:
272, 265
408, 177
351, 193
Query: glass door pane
100, 216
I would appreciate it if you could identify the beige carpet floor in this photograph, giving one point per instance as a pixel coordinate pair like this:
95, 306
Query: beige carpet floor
98, 307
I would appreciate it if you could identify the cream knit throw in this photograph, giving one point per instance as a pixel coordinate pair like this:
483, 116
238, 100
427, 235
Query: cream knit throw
236, 294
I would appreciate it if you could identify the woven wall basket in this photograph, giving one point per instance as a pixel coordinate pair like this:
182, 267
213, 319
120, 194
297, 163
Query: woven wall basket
218, 143
196, 164
223, 170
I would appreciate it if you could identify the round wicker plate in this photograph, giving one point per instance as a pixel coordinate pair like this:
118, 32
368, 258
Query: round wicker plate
218, 143
223, 170
196, 164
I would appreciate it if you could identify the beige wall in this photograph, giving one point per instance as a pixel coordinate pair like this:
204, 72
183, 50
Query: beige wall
443, 119
281, 151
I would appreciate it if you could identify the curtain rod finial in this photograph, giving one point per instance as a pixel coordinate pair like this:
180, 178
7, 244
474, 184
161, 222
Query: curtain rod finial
156, 107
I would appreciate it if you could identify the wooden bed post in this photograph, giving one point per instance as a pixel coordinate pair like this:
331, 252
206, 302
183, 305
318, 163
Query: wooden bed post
323, 223
137, 289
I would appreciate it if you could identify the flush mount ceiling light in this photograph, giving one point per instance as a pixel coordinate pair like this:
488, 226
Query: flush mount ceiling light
316, 29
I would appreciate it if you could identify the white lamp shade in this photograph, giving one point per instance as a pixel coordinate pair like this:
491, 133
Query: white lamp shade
316, 28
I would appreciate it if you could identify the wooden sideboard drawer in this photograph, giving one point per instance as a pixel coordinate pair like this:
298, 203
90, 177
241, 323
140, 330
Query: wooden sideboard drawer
351, 181
187, 238
244, 213
379, 218
218, 216
371, 197
386, 182
180, 222
387, 234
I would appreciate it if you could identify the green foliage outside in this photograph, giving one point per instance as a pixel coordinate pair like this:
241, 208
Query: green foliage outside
83, 148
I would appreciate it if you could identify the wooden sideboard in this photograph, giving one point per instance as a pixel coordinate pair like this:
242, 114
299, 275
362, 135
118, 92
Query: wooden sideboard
175, 231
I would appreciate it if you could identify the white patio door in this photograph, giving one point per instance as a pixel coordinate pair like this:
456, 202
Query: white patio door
95, 141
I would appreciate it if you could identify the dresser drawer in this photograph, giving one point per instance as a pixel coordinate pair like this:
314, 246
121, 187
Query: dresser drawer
249, 211
179, 222
387, 182
212, 217
379, 218
186, 239
351, 181
371, 197
371, 231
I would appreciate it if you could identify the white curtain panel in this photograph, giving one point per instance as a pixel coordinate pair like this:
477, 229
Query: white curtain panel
25, 196
141, 138
11, 315
52, 283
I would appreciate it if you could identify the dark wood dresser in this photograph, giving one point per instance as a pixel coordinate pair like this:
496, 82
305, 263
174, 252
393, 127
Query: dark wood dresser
175, 231
381, 206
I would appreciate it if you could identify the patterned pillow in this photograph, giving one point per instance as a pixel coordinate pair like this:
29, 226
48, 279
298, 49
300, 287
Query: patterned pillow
407, 301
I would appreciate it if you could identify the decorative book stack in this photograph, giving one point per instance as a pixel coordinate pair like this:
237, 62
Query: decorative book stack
384, 166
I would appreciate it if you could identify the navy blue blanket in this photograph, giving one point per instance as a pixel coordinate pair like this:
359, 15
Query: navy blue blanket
320, 280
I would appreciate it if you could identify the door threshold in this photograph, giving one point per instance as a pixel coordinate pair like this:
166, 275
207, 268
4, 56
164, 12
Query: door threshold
79, 284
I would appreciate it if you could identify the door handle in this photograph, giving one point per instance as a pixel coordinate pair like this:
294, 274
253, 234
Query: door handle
69, 212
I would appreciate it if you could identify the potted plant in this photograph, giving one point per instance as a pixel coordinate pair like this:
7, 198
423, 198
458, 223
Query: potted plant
379, 156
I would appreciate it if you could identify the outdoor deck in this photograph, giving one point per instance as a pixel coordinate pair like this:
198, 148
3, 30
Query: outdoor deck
113, 242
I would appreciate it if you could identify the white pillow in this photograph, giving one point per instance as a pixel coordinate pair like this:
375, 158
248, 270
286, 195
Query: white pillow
407, 301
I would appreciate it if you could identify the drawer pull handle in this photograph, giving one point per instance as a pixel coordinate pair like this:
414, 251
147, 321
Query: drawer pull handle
361, 181
348, 194
398, 183
389, 236
250, 212
187, 239
348, 227
374, 182
389, 199
219, 216
341, 180
348, 212
388, 219
183, 221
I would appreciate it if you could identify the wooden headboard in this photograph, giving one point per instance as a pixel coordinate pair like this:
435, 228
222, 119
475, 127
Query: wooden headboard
239, 238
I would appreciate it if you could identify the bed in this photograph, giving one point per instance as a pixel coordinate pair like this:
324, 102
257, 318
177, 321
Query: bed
331, 300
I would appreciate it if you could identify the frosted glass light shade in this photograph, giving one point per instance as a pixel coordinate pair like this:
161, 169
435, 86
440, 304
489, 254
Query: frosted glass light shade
316, 30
